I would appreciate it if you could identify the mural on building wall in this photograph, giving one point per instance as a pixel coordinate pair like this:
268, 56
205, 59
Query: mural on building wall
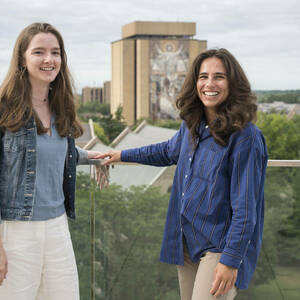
169, 65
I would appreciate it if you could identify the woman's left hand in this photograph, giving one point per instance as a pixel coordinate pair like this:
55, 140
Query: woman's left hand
102, 172
224, 280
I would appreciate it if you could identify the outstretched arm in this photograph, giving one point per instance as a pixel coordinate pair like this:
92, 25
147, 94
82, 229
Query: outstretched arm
160, 154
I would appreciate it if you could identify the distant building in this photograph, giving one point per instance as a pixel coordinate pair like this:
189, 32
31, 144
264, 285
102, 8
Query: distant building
276, 107
106, 92
97, 94
92, 94
149, 65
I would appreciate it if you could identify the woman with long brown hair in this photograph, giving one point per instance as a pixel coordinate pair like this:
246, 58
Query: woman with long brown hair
38, 160
214, 223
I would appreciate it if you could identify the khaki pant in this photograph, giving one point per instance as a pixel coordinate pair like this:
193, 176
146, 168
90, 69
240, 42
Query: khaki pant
41, 262
195, 279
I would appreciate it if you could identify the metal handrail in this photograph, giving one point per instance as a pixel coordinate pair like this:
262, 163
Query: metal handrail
271, 163
283, 163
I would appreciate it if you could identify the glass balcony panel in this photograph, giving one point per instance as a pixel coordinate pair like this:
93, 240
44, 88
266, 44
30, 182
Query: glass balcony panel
118, 233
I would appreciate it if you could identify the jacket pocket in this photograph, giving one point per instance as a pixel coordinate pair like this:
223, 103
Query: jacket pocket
207, 164
14, 141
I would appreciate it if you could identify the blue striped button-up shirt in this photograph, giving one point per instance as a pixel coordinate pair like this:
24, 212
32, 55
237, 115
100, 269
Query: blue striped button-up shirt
217, 198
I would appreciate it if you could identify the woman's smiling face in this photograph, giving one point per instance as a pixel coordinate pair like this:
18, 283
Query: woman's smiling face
43, 58
212, 85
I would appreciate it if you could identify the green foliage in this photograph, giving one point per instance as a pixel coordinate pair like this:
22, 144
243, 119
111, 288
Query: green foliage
282, 136
99, 131
286, 286
292, 96
94, 107
276, 250
290, 229
129, 227
113, 126
173, 124
119, 114
137, 123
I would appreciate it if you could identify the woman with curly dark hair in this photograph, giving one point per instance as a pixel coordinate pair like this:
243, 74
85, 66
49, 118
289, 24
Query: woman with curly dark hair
38, 160
214, 223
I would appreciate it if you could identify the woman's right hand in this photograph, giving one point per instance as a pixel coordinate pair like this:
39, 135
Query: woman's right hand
112, 156
3, 264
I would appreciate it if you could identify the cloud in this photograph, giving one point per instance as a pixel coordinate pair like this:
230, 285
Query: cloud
263, 35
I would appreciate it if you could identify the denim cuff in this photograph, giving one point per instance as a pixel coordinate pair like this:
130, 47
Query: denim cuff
82, 156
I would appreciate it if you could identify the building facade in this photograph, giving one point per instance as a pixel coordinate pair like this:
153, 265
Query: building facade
106, 92
149, 65
92, 94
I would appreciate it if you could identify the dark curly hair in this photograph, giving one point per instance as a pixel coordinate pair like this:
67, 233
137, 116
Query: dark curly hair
231, 115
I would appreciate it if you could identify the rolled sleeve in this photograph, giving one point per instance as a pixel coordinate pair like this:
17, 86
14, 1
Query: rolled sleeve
82, 157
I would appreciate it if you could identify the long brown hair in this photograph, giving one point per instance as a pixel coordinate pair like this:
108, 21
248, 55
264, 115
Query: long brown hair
15, 91
231, 115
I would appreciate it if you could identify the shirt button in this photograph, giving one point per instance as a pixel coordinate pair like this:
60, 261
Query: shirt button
70, 155
190, 159
70, 176
182, 194
185, 176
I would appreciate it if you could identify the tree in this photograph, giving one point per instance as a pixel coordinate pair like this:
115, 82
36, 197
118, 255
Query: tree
290, 230
173, 124
99, 131
282, 136
129, 228
113, 126
288, 96
94, 107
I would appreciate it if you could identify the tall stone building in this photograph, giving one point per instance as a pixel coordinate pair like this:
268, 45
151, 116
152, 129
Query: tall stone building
106, 92
149, 65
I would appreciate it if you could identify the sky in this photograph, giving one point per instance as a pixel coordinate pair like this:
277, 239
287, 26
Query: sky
264, 35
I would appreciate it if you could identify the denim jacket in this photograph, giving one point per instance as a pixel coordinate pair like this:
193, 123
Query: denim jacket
18, 173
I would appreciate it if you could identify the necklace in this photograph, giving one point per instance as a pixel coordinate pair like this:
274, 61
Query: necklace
38, 102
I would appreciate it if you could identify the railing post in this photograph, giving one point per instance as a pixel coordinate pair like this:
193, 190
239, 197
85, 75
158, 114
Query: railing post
92, 230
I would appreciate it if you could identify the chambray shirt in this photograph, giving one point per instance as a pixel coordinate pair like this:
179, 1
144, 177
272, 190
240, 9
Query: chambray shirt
217, 197
51, 154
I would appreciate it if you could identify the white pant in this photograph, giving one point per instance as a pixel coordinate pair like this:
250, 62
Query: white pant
41, 261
